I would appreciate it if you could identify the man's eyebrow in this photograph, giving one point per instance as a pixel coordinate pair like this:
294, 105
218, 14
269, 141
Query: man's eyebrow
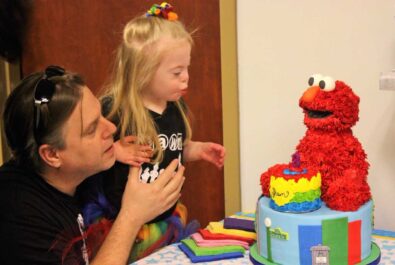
90, 126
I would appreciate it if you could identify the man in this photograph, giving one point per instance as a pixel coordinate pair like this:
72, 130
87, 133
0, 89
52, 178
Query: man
58, 137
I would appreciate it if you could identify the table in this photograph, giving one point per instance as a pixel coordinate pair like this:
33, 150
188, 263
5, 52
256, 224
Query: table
173, 255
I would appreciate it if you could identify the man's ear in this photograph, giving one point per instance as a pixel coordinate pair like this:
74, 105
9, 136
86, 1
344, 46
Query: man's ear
49, 155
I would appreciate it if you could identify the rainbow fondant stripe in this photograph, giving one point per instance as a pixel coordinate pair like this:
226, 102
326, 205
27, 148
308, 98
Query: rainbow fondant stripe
346, 234
295, 191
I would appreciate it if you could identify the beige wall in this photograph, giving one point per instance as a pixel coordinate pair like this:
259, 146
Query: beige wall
280, 43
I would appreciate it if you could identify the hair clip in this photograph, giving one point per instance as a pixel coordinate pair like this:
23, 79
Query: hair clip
164, 10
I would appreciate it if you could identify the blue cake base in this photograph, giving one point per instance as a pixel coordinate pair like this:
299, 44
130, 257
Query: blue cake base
294, 238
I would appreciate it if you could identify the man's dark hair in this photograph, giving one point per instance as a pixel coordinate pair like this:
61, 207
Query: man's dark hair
18, 116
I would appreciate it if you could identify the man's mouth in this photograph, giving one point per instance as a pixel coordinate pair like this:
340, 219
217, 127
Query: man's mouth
318, 114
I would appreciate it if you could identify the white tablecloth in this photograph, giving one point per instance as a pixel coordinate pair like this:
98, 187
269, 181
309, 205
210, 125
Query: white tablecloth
173, 255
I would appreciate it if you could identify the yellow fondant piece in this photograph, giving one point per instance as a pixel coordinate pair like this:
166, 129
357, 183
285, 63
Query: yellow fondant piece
218, 228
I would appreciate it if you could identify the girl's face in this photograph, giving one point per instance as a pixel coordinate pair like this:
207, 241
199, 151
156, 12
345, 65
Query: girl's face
170, 81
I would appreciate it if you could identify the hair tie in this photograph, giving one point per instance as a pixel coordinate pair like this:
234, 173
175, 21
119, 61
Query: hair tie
164, 10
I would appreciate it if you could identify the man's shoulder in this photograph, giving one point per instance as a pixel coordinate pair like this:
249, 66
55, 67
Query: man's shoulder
18, 185
11, 171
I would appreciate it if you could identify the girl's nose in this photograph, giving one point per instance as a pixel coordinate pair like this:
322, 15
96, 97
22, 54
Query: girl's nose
185, 77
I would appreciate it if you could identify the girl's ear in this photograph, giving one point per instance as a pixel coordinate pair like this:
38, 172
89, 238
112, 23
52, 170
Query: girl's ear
49, 155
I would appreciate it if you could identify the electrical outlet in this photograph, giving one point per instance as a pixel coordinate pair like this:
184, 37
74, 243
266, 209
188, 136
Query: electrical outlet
387, 80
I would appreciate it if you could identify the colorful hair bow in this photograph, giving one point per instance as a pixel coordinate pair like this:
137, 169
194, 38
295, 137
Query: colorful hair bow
164, 10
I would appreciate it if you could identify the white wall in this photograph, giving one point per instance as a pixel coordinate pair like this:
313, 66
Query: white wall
280, 44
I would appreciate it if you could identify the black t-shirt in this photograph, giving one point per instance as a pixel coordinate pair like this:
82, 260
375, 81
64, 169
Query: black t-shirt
37, 222
171, 133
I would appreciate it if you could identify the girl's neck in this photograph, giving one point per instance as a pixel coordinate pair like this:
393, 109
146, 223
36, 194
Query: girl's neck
157, 106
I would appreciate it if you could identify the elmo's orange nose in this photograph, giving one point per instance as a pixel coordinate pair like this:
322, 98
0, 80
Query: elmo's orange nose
310, 93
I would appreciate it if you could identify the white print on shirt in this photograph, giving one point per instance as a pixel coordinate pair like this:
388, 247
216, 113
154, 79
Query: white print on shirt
150, 176
173, 143
80, 221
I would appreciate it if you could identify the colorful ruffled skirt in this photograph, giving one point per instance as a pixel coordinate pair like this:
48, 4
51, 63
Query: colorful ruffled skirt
154, 236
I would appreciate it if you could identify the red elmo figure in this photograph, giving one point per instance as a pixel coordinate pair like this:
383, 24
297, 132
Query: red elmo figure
330, 110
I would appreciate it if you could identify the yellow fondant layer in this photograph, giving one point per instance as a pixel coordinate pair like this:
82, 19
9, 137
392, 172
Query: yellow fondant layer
283, 190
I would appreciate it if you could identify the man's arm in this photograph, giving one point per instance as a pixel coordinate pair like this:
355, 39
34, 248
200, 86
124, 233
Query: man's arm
141, 202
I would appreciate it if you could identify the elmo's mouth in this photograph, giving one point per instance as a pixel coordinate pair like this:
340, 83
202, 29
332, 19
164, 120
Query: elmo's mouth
318, 114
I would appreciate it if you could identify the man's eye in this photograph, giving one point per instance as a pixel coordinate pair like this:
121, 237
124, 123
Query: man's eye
177, 73
91, 130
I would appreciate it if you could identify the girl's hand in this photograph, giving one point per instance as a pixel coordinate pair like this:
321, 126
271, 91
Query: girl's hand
210, 152
129, 152
213, 153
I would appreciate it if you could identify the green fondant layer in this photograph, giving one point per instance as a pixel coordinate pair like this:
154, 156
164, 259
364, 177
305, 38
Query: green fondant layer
374, 256
308, 196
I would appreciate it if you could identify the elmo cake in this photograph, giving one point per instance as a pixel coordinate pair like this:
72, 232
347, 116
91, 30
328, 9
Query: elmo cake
338, 232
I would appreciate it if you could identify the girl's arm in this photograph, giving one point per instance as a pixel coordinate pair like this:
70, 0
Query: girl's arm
210, 152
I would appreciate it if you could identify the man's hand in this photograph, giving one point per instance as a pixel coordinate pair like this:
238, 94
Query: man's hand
146, 201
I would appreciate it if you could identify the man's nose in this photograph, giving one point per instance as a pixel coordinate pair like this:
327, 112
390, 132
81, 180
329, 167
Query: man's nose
110, 127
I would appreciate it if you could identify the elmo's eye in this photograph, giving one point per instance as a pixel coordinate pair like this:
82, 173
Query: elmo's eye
314, 80
327, 83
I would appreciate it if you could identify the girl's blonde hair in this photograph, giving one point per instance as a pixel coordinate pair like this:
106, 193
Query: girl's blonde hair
137, 60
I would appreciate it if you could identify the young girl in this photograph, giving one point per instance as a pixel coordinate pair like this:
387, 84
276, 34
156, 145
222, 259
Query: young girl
144, 100
144, 97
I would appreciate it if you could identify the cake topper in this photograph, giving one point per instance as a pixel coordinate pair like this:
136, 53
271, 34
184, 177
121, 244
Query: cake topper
296, 160
330, 110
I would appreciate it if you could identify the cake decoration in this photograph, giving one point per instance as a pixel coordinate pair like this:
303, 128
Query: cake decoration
320, 255
330, 110
329, 160
295, 189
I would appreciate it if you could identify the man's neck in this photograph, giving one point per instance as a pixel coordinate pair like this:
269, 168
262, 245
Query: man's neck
60, 181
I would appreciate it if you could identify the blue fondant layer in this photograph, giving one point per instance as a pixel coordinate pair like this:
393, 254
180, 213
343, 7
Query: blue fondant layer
297, 207
288, 171
288, 251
